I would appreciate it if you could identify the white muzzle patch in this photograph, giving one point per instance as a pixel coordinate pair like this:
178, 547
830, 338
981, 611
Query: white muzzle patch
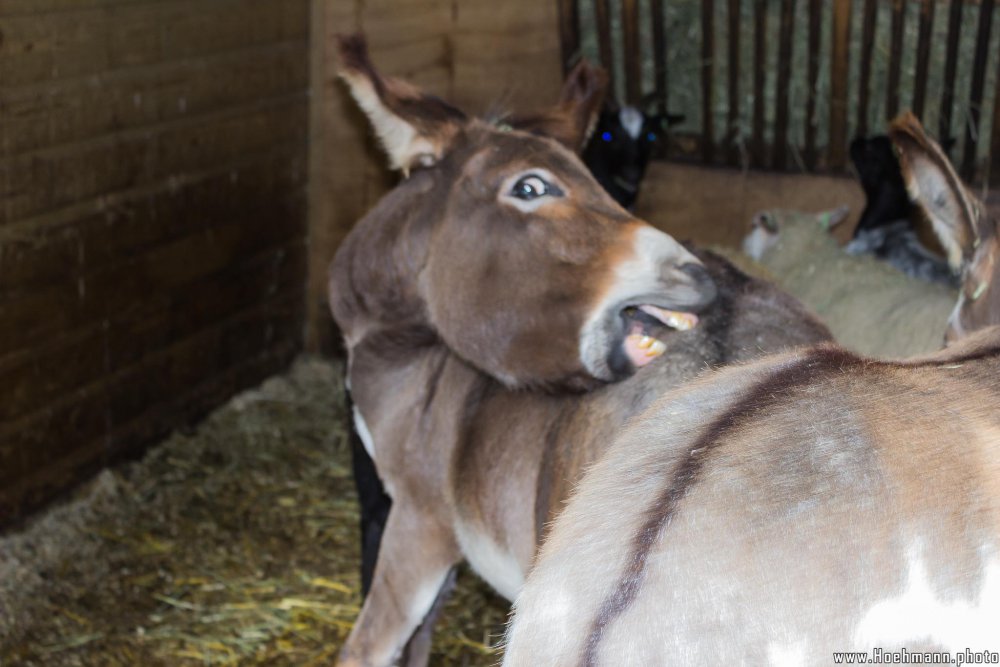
642, 274
631, 119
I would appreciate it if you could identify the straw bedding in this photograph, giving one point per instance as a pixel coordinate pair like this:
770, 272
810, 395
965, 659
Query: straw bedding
235, 544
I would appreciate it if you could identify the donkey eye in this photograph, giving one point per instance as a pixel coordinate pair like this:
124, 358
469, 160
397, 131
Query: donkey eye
533, 186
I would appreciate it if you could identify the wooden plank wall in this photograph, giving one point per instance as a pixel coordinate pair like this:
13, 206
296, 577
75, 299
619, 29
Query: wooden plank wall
714, 205
475, 53
153, 170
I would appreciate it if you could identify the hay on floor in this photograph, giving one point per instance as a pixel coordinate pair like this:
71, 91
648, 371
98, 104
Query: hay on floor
233, 545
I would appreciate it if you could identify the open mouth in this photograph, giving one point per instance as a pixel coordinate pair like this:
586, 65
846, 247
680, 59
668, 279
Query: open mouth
647, 325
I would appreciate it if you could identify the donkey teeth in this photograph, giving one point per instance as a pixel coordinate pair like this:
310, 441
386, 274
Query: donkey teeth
679, 322
651, 346
656, 348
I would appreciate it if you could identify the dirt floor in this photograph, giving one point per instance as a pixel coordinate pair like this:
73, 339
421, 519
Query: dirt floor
232, 545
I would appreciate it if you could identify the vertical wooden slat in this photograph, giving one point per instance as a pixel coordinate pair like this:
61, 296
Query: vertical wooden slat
815, 21
707, 67
923, 56
759, 64
630, 42
976, 94
837, 156
734, 82
784, 75
602, 17
569, 32
323, 213
895, 58
864, 80
659, 54
994, 176
950, 69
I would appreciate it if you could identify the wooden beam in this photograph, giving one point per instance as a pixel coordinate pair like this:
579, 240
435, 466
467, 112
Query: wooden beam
784, 76
707, 71
569, 32
759, 80
732, 130
895, 58
602, 18
865, 77
633, 58
976, 93
837, 156
659, 54
950, 70
812, 66
994, 176
923, 56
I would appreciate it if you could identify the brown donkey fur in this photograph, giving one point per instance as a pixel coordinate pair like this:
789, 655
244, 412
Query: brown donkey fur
477, 301
777, 512
807, 503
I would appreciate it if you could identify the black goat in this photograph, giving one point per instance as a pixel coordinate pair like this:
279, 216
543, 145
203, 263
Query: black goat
886, 228
620, 147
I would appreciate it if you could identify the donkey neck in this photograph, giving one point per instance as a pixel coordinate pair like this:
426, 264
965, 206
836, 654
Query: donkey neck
373, 280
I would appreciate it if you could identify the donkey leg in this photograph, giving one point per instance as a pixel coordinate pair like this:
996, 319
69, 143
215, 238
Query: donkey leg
418, 650
414, 562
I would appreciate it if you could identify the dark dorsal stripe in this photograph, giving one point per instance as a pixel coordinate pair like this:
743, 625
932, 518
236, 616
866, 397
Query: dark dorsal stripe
973, 355
818, 361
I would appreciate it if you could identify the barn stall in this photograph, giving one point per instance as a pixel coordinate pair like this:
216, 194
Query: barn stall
176, 176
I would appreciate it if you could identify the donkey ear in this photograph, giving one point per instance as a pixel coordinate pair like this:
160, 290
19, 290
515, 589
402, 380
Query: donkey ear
415, 129
581, 100
572, 120
933, 184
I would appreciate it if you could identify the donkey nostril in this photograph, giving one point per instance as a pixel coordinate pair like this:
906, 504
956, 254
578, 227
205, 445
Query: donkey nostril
697, 272
702, 281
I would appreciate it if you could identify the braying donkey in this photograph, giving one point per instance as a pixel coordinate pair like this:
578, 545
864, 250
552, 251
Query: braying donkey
504, 318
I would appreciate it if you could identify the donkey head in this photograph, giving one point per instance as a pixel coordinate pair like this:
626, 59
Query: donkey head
962, 223
502, 244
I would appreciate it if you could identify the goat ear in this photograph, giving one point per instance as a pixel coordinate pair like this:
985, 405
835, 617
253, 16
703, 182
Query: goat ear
932, 183
415, 129
650, 104
573, 119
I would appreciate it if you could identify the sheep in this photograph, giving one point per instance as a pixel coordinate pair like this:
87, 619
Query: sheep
871, 307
